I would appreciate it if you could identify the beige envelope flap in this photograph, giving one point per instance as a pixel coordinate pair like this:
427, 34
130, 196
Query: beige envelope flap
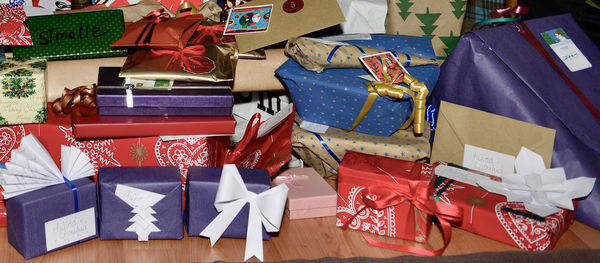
315, 15
459, 125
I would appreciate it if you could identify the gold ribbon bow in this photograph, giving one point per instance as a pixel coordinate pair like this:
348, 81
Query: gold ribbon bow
416, 90
84, 96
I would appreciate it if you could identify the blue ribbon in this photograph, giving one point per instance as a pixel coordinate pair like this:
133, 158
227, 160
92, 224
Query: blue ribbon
324, 144
74, 189
338, 46
430, 112
407, 60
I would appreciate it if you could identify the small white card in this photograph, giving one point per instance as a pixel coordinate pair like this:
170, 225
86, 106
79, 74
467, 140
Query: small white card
488, 161
566, 49
346, 37
68, 229
314, 127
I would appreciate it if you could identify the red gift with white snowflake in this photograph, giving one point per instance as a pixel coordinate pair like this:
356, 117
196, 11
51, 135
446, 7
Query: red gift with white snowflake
141, 151
390, 197
490, 215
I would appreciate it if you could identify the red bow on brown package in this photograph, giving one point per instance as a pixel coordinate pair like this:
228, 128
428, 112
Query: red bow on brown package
158, 29
215, 32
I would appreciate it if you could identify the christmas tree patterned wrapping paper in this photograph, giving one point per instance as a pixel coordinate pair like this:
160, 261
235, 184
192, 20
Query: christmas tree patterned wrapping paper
441, 21
22, 91
309, 146
73, 35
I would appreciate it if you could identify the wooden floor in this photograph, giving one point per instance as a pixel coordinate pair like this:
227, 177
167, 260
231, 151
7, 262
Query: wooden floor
306, 238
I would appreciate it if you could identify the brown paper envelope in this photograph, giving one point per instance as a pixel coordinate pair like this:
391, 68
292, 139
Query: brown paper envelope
315, 15
459, 125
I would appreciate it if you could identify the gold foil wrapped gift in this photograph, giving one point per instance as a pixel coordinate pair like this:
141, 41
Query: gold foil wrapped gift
318, 150
315, 54
193, 63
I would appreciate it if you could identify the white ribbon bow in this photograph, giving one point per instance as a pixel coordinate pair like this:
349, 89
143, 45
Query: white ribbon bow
266, 209
541, 190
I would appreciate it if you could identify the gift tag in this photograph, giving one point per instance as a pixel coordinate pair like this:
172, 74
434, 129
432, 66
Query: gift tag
71, 228
488, 161
252, 19
384, 67
566, 49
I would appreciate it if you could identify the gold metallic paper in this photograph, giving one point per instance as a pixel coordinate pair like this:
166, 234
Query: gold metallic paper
146, 64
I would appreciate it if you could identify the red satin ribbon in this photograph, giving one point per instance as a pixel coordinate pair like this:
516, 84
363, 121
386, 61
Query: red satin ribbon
415, 193
508, 12
215, 32
184, 55
157, 15
526, 33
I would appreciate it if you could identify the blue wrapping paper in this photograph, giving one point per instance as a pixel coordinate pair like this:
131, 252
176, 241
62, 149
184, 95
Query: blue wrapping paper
497, 70
335, 97
27, 214
114, 213
202, 186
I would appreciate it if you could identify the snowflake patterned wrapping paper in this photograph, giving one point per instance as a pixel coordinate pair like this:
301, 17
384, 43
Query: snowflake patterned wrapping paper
403, 144
73, 35
516, 81
440, 21
142, 151
335, 97
490, 215
22, 91
115, 216
29, 214
359, 172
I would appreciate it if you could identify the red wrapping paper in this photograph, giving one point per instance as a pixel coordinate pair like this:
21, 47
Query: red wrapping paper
487, 214
2, 212
358, 171
142, 151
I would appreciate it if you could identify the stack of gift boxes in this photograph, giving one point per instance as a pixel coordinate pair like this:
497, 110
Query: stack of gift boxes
401, 139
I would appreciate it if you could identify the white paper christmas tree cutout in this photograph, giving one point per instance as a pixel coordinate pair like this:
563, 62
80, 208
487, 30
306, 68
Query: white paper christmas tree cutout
142, 202
31, 167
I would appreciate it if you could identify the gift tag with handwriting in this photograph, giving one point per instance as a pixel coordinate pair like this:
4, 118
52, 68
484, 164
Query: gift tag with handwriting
566, 49
488, 161
71, 228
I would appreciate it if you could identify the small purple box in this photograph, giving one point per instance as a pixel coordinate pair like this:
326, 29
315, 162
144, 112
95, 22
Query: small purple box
185, 98
115, 213
193, 101
202, 185
28, 215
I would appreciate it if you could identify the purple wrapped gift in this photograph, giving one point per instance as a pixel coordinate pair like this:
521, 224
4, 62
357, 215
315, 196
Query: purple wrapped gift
187, 98
202, 185
45, 220
140, 203
499, 71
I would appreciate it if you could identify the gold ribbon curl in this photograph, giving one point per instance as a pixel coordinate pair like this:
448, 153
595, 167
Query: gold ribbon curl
416, 90
84, 96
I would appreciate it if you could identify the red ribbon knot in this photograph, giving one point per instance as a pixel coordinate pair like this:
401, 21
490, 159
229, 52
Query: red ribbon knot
185, 55
415, 193
215, 32
508, 12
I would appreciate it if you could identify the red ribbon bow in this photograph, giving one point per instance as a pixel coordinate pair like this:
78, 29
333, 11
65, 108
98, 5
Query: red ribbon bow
508, 12
215, 32
184, 55
416, 193
157, 15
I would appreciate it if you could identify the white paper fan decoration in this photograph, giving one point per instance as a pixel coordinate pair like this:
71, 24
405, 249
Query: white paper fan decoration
31, 167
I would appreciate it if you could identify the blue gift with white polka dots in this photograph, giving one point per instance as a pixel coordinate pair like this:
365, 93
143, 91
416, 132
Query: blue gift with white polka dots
335, 97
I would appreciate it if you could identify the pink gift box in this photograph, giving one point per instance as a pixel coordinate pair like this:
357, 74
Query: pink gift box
309, 194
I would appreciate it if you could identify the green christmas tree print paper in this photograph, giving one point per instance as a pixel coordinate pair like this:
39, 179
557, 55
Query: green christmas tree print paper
22, 91
73, 36
440, 20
